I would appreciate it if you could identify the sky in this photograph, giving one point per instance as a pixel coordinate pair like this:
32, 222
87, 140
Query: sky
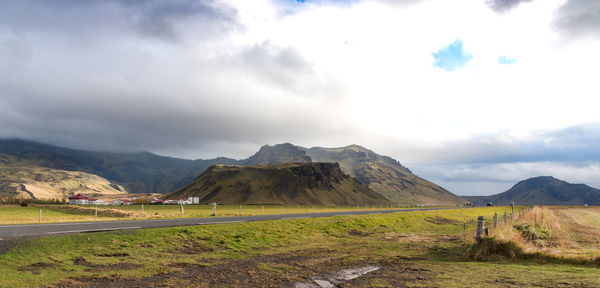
473, 95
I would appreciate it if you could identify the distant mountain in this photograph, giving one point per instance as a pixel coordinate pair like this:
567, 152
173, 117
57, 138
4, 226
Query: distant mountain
292, 183
149, 173
26, 179
381, 174
543, 190
138, 172
278, 154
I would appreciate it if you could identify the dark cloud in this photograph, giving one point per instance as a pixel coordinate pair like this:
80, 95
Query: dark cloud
504, 5
86, 76
578, 18
572, 144
164, 20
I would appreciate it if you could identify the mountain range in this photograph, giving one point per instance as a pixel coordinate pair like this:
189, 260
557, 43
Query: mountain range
542, 190
290, 183
21, 178
145, 172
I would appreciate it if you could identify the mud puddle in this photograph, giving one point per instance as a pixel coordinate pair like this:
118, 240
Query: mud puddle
333, 280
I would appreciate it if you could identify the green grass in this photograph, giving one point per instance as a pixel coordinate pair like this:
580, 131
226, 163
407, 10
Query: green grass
14, 214
438, 246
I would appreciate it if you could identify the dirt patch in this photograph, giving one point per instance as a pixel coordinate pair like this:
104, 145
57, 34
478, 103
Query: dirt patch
35, 267
116, 254
359, 233
193, 247
437, 220
392, 276
276, 270
112, 266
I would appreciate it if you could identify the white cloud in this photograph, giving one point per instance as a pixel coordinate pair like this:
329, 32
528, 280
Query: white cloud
220, 78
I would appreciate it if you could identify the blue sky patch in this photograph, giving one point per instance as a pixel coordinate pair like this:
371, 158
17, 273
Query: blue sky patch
452, 56
506, 60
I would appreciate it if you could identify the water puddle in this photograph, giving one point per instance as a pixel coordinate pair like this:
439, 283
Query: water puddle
333, 280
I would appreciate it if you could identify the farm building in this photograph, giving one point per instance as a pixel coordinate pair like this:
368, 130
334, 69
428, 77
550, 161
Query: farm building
78, 200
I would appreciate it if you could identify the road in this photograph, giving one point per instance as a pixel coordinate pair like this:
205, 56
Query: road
32, 230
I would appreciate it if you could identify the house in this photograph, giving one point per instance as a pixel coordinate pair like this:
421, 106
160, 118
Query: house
156, 201
78, 200
184, 202
121, 202
95, 202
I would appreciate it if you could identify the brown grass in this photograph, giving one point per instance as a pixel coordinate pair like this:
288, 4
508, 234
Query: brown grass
555, 233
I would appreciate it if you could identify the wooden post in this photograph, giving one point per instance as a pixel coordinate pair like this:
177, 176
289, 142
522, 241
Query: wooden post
504, 218
480, 221
181, 210
40, 220
512, 214
263, 210
240, 209
142, 210
96, 213
495, 220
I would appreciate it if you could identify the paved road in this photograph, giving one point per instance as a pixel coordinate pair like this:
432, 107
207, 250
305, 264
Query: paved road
28, 230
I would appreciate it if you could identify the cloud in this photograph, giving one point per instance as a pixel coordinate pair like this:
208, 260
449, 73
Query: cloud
571, 144
452, 56
504, 5
506, 60
488, 179
576, 18
169, 21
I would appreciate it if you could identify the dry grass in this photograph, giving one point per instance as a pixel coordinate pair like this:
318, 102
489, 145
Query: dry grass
566, 233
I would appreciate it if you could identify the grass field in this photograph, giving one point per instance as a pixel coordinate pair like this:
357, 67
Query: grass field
412, 249
13, 214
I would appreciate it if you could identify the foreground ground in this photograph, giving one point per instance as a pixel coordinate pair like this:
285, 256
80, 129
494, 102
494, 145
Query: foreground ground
415, 249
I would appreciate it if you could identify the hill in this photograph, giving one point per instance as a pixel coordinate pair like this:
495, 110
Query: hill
292, 183
25, 179
149, 173
381, 174
278, 154
138, 172
385, 175
543, 190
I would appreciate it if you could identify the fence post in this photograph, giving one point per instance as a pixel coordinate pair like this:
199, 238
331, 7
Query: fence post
142, 210
504, 218
512, 214
40, 220
263, 210
480, 221
181, 209
96, 213
240, 209
214, 209
495, 220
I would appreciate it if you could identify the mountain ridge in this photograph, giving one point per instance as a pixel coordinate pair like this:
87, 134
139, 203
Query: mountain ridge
145, 172
542, 190
310, 183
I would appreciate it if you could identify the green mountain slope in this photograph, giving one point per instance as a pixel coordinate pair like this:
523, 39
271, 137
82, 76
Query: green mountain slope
293, 183
543, 190
138, 172
25, 179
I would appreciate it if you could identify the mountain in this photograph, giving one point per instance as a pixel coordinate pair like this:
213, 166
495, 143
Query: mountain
543, 190
381, 174
138, 172
291, 183
149, 173
278, 154
25, 179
